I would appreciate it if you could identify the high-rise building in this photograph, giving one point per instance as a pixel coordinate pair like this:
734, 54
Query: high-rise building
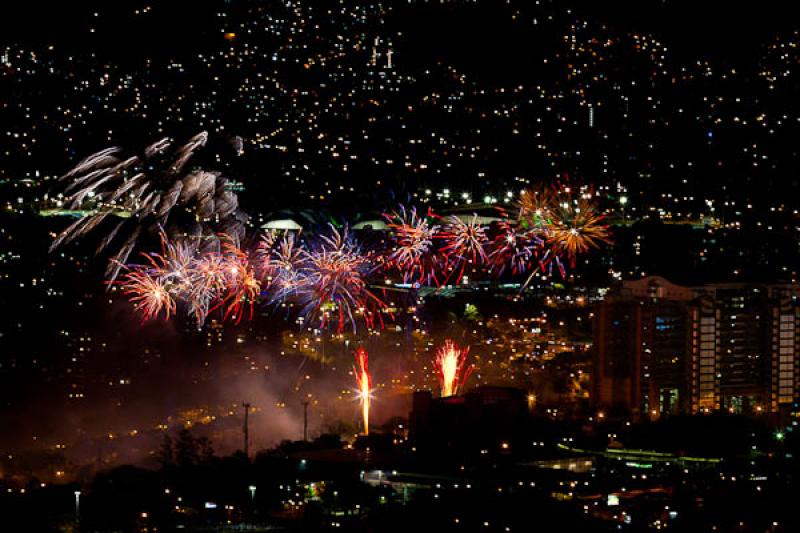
661, 348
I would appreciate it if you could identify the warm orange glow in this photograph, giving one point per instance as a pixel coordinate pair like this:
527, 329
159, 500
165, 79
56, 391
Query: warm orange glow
451, 362
364, 383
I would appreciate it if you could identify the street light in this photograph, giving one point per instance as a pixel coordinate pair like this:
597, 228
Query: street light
77, 505
622, 201
252, 493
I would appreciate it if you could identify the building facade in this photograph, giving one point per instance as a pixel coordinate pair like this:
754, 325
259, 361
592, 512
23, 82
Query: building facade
661, 348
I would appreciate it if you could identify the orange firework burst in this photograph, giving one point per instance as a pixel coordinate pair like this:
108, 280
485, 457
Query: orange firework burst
577, 227
536, 208
364, 383
566, 218
150, 294
451, 363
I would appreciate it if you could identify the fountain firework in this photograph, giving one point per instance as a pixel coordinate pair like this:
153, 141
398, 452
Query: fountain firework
451, 363
364, 383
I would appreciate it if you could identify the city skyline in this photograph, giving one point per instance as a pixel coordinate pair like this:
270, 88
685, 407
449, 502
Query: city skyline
313, 266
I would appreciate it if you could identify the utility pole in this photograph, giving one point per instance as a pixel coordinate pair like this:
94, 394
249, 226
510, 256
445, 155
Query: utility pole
246, 429
305, 420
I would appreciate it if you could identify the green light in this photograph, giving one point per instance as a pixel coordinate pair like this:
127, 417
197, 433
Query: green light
779, 435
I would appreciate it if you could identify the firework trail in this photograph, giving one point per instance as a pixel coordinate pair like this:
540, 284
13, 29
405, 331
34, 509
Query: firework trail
146, 192
328, 280
364, 384
451, 363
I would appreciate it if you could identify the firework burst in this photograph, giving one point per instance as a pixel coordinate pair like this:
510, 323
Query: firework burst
535, 208
514, 249
149, 294
151, 286
413, 253
577, 227
242, 286
464, 240
208, 283
280, 264
566, 220
328, 279
332, 285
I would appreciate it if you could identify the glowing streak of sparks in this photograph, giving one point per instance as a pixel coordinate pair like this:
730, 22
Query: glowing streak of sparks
451, 363
364, 384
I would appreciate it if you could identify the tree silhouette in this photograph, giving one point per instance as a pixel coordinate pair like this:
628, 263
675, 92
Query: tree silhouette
166, 452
